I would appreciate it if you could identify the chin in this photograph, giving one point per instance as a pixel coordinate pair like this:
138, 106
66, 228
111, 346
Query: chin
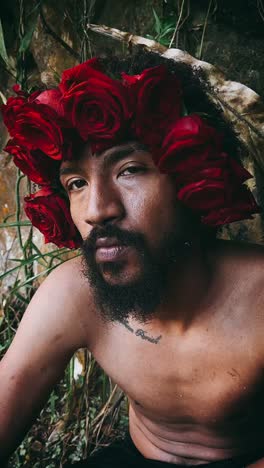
123, 289
120, 275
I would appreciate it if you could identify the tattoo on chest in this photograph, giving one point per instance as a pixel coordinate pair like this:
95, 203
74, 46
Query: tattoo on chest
141, 333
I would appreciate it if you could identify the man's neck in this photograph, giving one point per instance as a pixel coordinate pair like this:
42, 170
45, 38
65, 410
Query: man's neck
192, 286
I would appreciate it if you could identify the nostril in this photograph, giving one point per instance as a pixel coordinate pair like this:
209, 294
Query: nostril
104, 222
102, 210
110, 220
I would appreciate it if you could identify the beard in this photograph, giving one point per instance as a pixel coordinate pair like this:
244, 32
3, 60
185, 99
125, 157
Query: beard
137, 298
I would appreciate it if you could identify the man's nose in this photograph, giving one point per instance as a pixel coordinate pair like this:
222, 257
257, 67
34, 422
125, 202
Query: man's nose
104, 205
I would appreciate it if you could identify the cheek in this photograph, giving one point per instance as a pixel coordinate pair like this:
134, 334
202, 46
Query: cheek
77, 219
154, 209
73, 213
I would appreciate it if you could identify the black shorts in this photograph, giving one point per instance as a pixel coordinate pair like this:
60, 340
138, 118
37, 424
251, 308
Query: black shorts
123, 454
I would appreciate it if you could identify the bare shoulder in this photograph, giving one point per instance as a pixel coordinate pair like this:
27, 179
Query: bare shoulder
242, 264
242, 273
245, 254
66, 298
53, 319
66, 280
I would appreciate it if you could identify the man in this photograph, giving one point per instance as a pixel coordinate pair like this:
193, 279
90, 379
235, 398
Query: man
167, 310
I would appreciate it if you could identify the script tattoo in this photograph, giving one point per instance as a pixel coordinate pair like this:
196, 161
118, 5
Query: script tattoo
126, 323
141, 333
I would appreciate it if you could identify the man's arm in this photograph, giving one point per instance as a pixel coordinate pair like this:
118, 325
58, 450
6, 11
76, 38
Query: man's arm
48, 335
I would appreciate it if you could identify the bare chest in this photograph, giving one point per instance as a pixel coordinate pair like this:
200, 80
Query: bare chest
206, 377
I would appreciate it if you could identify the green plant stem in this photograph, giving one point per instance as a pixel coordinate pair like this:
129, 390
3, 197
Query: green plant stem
15, 224
30, 260
31, 279
177, 24
18, 211
204, 29
21, 66
260, 8
8, 325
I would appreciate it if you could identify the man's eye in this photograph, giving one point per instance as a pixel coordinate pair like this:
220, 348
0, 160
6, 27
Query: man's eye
132, 170
75, 185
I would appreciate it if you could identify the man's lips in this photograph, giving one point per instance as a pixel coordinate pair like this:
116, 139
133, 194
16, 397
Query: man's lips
109, 250
107, 242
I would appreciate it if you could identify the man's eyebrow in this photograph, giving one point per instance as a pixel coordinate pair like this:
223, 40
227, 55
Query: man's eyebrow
109, 159
68, 170
121, 153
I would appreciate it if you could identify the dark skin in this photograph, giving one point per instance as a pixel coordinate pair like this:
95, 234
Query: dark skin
194, 372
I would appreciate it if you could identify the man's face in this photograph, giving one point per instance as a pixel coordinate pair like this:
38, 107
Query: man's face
131, 224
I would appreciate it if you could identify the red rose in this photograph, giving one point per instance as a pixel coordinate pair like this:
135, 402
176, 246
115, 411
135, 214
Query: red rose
203, 195
158, 103
207, 179
17, 89
11, 109
208, 189
190, 136
36, 127
52, 98
51, 215
193, 146
35, 164
77, 74
98, 108
218, 166
217, 201
241, 208
217, 194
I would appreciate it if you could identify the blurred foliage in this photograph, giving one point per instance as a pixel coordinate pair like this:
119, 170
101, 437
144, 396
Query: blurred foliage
163, 28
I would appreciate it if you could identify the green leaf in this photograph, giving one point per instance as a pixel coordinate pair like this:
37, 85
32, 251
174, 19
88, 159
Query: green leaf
168, 24
34, 247
26, 40
3, 52
20, 260
21, 298
8, 216
32, 259
31, 279
157, 22
165, 33
164, 41
15, 224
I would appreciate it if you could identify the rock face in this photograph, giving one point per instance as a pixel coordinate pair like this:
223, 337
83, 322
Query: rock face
229, 34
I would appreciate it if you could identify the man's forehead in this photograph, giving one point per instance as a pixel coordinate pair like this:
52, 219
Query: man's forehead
114, 153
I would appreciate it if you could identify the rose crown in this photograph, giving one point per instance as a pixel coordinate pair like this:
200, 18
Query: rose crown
90, 107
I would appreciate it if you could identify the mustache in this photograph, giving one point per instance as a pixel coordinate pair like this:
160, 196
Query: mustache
123, 236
